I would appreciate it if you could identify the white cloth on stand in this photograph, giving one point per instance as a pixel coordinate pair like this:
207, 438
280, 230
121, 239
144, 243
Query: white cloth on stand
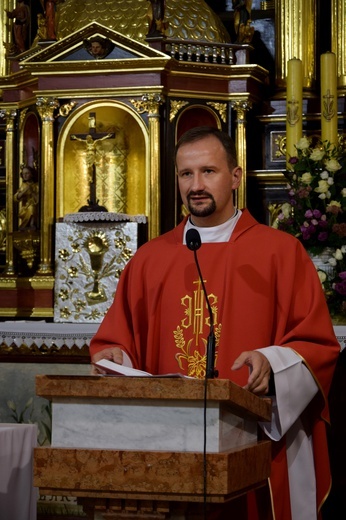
18, 497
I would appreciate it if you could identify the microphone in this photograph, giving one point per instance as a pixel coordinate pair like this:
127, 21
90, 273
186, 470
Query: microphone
194, 242
193, 239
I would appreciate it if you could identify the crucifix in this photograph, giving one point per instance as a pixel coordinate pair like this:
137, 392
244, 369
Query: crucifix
91, 139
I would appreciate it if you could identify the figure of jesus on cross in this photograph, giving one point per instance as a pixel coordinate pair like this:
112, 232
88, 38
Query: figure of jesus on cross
91, 140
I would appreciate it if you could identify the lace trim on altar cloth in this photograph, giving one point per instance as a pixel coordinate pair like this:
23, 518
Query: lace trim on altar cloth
94, 216
41, 333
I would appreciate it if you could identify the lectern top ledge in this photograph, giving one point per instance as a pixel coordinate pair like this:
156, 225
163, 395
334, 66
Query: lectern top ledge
155, 388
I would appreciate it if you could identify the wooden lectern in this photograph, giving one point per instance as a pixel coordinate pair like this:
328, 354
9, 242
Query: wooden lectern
133, 447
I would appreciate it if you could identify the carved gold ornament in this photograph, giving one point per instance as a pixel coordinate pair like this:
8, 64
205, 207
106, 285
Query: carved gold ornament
176, 105
89, 261
65, 109
149, 103
221, 108
28, 244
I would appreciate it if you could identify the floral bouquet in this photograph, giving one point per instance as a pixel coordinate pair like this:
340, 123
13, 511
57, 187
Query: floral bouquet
316, 212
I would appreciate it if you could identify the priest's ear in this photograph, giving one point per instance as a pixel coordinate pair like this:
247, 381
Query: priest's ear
237, 174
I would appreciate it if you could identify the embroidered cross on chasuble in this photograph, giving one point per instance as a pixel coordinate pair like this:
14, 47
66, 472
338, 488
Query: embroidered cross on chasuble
191, 334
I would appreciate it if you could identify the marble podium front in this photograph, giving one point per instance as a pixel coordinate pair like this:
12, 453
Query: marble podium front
110, 455
147, 424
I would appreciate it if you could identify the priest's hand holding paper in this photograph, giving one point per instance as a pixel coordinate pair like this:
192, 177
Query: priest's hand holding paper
114, 354
260, 371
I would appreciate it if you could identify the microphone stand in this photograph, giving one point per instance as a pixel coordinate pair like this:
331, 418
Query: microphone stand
193, 242
211, 373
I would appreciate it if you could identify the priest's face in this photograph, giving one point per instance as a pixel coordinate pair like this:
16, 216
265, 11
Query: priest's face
206, 181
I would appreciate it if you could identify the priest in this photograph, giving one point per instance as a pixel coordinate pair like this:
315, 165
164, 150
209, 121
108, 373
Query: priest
273, 333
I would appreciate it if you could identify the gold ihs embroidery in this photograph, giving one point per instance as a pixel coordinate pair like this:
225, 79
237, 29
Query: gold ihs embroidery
191, 335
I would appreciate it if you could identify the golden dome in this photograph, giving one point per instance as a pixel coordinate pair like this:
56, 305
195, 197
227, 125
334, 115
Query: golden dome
186, 19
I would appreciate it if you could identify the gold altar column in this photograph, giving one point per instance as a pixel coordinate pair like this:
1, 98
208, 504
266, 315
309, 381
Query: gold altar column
295, 36
10, 116
339, 40
151, 103
46, 107
155, 184
294, 107
5, 35
241, 107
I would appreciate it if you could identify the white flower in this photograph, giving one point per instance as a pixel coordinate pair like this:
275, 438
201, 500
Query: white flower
303, 143
332, 262
343, 249
317, 154
322, 276
307, 178
286, 209
334, 203
322, 187
332, 165
324, 175
322, 196
338, 254
343, 192
330, 181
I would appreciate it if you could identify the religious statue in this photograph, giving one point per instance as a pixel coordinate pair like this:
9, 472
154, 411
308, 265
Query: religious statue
28, 196
242, 20
98, 47
21, 16
49, 8
91, 151
41, 34
156, 18
91, 141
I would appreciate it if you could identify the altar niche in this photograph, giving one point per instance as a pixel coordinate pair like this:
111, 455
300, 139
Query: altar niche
121, 162
91, 140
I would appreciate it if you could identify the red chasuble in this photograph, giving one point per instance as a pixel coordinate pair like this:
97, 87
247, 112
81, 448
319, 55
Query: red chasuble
263, 289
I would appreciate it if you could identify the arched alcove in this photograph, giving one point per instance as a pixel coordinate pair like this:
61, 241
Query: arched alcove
121, 161
197, 115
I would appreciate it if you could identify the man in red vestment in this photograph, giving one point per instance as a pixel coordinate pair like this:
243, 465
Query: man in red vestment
271, 320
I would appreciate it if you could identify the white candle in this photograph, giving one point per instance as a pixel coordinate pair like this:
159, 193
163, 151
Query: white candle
294, 106
329, 99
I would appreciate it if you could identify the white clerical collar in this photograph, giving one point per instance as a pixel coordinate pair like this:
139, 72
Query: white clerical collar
221, 233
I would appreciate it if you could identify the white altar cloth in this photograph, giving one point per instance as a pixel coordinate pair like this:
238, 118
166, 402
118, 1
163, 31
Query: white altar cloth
69, 334
40, 332
340, 332
18, 497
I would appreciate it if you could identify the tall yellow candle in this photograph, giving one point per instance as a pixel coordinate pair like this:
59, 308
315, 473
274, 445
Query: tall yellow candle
294, 106
329, 99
